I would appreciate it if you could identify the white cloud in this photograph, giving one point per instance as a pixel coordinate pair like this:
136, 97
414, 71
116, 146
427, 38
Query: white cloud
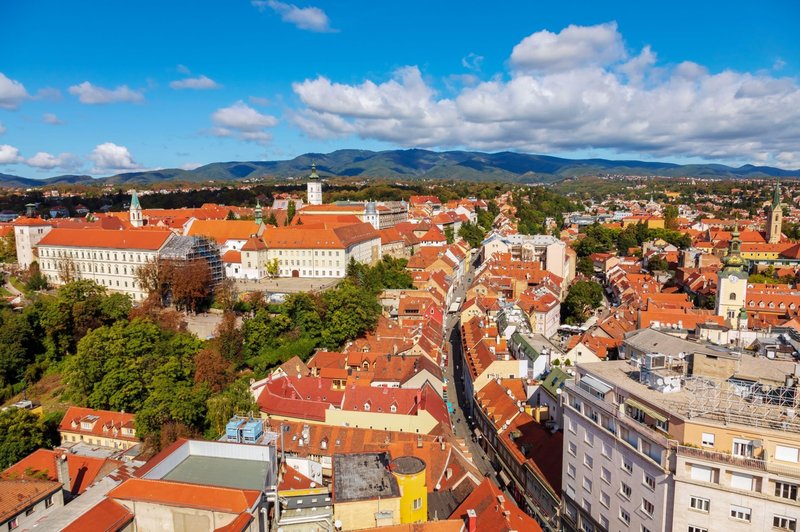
47, 161
242, 121
92, 94
572, 47
9, 155
110, 157
12, 93
605, 101
197, 83
257, 100
305, 18
472, 61
52, 119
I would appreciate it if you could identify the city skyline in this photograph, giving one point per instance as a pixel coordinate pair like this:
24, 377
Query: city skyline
83, 92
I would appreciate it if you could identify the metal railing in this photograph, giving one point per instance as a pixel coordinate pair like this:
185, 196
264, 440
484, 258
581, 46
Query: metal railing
737, 461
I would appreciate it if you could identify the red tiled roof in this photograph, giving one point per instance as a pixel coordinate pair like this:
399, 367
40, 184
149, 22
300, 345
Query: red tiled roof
491, 513
226, 500
232, 257
319, 236
224, 230
106, 516
83, 470
105, 418
150, 240
16, 495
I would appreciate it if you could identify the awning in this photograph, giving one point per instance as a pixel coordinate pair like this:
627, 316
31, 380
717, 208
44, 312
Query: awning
596, 385
505, 479
646, 409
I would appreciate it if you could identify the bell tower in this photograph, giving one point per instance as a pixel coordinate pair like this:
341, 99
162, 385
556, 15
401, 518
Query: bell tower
732, 284
314, 187
775, 218
136, 211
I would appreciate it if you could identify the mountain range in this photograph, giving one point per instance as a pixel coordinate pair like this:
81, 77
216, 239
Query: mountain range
417, 164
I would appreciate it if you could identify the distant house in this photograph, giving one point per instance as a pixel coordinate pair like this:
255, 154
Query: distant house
102, 428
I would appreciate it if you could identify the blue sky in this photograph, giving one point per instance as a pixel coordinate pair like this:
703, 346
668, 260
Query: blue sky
103, 87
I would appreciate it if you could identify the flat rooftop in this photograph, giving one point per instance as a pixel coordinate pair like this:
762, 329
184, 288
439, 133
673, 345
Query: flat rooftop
363, 476
218, 471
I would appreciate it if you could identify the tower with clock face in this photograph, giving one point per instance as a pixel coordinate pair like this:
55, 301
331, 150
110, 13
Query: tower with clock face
732, 284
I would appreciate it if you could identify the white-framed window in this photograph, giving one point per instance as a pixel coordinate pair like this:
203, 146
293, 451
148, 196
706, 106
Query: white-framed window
587, 505
743, 448
707, 439
607, 451
588, 461
627, 465
781, 522
786, 454
625, 490
649, 481
605, 475
417, 503
701, 473
693, 528
740, 512
604, 522
572, 448
605, 499
741, 481
700, 504
570, 470
785, 490
589, 438
586, 526
624, 516
587, 484
647, 507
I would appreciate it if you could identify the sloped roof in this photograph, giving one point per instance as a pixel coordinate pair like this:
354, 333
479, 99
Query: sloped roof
223, 230
150, 240
16, 495
319, 236
491, 513
226, 500
83, 470
107, 515
105, 418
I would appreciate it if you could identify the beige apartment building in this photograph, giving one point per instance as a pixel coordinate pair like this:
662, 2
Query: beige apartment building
703, 442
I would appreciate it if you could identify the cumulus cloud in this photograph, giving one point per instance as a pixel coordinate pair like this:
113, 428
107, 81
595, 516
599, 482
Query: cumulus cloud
110, 157
305, 18
46, 161
196, 83
12, 93
243, 122
92, 94
52, 119
9, 155
572, 47
587, 93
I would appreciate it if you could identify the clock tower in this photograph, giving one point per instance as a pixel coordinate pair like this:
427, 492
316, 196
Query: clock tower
314, 187
732, 283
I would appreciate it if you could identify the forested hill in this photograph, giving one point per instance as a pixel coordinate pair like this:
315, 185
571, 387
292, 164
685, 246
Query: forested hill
424, 164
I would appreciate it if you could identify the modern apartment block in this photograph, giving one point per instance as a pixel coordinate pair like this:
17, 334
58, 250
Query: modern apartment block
700, 442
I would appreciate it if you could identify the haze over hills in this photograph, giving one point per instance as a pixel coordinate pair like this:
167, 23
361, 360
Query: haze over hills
418, 164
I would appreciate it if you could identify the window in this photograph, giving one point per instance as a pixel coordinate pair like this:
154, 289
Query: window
646, 447
786, 454
707, 440
587, 484
741, 481
699, 504
784, 523
743, 448
662, 425
647, 507
604, 522
13, 523
605, 499
587, 505
417, 503
784, 490
625, 490
701, 473
606, 450
624, 516
693, 528
589, 438
649, 481
572, 448
571, 470
605, 475
733, 296
588, 461
587, 526
740, 512
627, 466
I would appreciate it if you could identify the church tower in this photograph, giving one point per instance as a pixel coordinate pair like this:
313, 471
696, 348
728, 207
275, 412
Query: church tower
136, 211
775, 217
732, 283
371, 214
258, 213
314, 187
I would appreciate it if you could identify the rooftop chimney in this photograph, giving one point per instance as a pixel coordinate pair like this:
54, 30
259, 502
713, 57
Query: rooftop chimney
63, 473
472, 521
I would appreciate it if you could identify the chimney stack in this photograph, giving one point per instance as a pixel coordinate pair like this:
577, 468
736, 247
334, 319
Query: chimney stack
63, 473
472, 521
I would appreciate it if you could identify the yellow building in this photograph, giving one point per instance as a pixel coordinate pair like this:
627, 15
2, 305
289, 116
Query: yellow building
365, 493
652, 222
410, 474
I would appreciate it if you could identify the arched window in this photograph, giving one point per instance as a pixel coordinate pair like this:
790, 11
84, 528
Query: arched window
733, 296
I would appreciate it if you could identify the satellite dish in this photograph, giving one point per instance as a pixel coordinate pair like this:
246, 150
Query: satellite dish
660, 381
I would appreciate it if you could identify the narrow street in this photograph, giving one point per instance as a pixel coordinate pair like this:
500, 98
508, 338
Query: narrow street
455, 385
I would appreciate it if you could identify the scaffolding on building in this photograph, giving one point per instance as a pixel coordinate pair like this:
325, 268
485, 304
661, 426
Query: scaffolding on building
189, 248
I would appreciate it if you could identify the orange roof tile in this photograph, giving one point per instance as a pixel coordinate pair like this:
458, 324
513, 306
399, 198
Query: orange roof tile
105, 418
319, 235
227, 500
232, 257
83, 470
223, 230
16, 495
101, 238
107, 515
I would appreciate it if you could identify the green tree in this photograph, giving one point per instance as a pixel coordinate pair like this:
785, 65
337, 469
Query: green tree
271, 220
351, 311
236, 399
657, 264
671, 217
290, 212
585, 266
21, 433
229, 339
449, 234
17, 347
35, 279
472, 233
582, 298
8, 248
273, 267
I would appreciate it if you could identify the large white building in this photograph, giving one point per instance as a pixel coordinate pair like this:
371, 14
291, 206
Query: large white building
549, 251
109, 258
28, 231
321, 250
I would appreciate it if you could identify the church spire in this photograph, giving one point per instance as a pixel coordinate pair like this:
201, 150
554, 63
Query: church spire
258, 212
135, 211
776, 197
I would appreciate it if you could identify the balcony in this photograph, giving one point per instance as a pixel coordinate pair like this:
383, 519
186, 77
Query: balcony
737, 461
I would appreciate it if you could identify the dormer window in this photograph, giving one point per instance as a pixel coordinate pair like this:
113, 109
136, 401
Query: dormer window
393, 408
324, 443
366, 406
